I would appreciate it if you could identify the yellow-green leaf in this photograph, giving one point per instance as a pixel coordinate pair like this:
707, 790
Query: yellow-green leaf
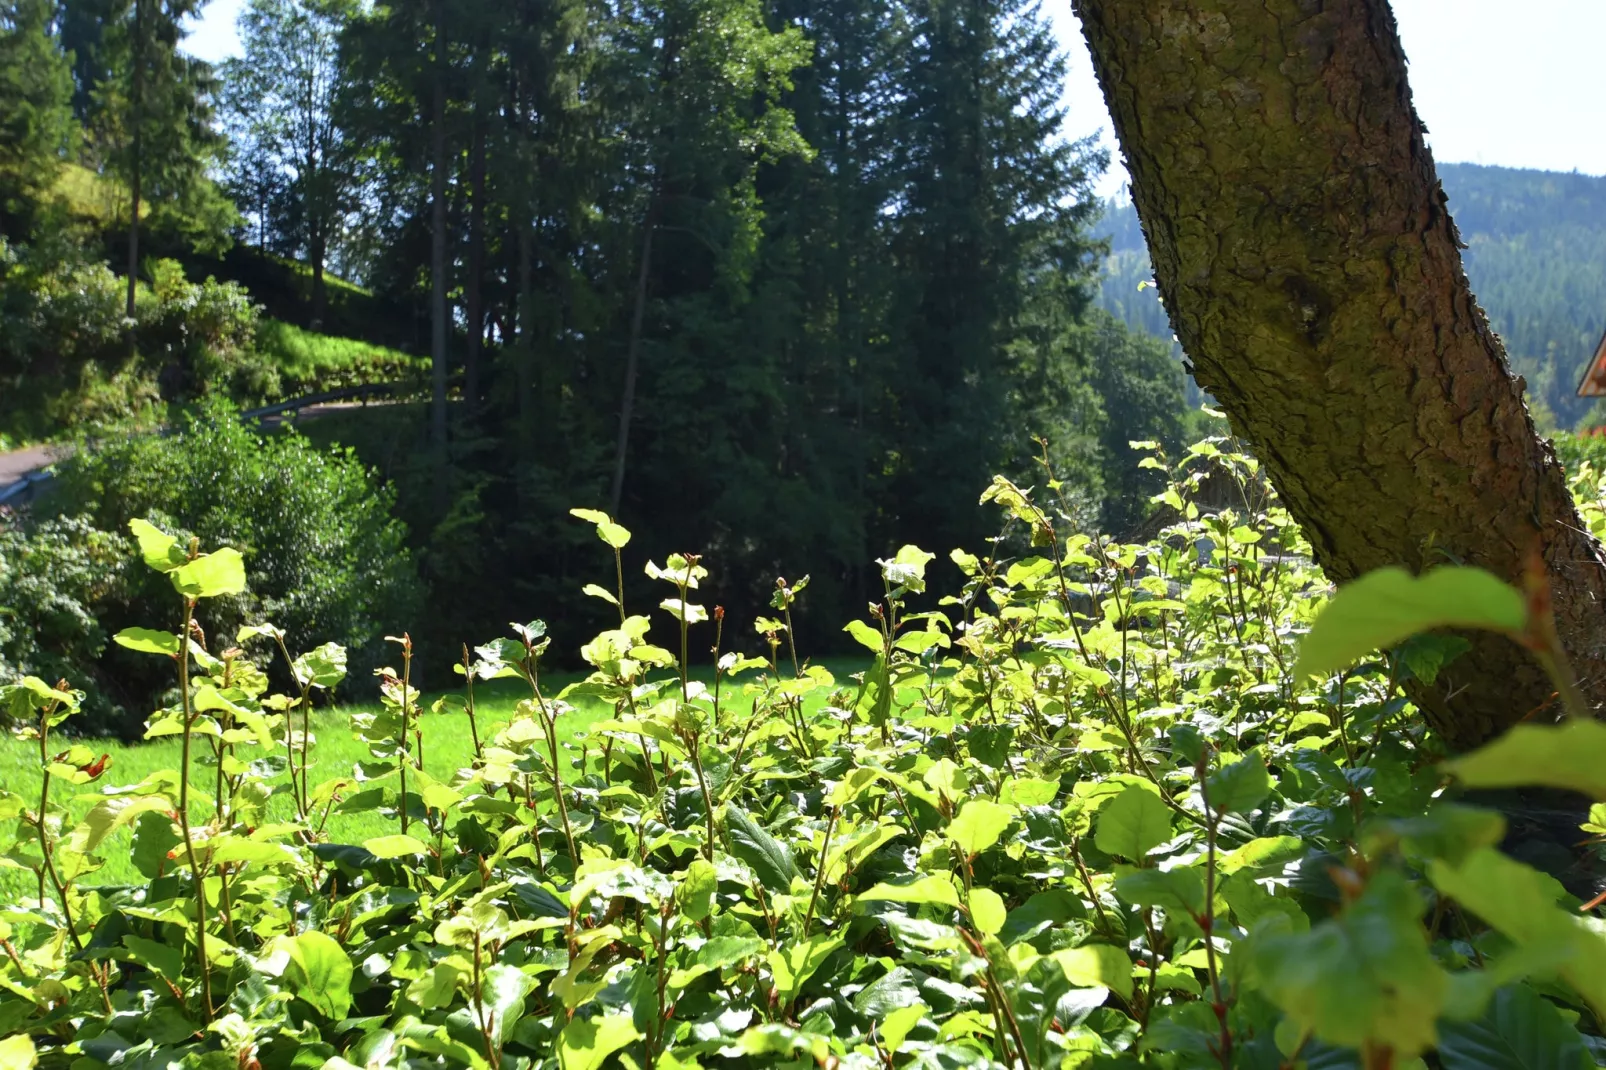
1570, 755
1389, 605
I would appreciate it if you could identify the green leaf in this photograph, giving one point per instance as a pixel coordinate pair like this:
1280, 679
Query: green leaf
932, 889
1097, 965
980, 824
769, 858
1520, 1031
318, 971
1570, 755
896, 1026
210, 575
1180, 889
867, 636
395, 846
1366, 975
165, 959
695, 893
502, 992
160, 550
17, 1053
987, 911
795, 963
1132, 824
1520, 902
324, 666
148, 641
1389, 605
1238, 788
1029, 791
109, 815
586, 1043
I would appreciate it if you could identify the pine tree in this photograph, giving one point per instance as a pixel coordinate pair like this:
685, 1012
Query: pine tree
36, 123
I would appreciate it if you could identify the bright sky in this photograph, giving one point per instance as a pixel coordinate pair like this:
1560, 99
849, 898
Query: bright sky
1495, 81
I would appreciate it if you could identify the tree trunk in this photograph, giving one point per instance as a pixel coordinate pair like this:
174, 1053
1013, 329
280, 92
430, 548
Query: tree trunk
476, 265
627, 400
525, 379
437, 252
136, 108
1302, 247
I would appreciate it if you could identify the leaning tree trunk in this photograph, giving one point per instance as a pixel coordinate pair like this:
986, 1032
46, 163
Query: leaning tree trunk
1301, 243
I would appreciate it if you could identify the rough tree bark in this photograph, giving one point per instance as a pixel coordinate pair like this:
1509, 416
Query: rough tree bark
1302, 245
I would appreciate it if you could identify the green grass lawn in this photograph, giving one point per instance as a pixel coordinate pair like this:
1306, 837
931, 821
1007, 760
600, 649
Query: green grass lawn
448, 747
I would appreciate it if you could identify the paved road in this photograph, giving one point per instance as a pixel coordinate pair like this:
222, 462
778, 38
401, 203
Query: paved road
18, 463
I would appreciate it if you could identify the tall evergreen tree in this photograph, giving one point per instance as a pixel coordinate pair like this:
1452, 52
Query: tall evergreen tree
993, 204
36, 122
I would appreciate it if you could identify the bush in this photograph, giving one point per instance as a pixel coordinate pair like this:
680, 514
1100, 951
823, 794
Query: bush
1087, 808
54, 580
325, 557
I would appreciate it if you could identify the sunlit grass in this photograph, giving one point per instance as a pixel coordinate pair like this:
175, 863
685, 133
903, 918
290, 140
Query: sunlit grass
305, 354
448, 747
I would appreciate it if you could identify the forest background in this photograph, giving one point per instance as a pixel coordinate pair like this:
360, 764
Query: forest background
779, 282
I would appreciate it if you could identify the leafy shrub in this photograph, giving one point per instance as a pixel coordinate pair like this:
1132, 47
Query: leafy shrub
1088, 809
199, 338
55, 578
325, 557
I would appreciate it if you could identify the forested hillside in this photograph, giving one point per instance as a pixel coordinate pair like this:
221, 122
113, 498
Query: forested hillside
793, 278
1536, 257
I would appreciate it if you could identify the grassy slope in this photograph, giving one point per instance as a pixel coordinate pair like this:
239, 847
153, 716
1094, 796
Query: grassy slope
448, 747
304, 354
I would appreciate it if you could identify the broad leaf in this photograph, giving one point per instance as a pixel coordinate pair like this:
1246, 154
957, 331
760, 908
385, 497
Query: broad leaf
980, 824
1570, 755
1384, 607
210, 575
1520, 1031
1132, 824
767, 856
586, 1043
318, 971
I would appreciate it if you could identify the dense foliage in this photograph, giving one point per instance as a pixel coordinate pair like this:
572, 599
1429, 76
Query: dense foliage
326, 559
1103, 805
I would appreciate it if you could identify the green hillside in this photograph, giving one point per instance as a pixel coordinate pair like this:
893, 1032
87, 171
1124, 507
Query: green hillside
1536, 256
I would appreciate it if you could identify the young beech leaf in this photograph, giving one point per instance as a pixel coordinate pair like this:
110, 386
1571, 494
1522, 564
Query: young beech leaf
769, 858
147, 641
211, 575
1097, 965
1132, 824
1570, 755
1389, 605
318, 971
1364, 976
1238, 788
1519, 902
586, 1043
987, 911
17, 1053
980, 824
932, 889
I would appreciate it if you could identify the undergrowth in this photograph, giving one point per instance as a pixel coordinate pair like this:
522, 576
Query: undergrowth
1102, 805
